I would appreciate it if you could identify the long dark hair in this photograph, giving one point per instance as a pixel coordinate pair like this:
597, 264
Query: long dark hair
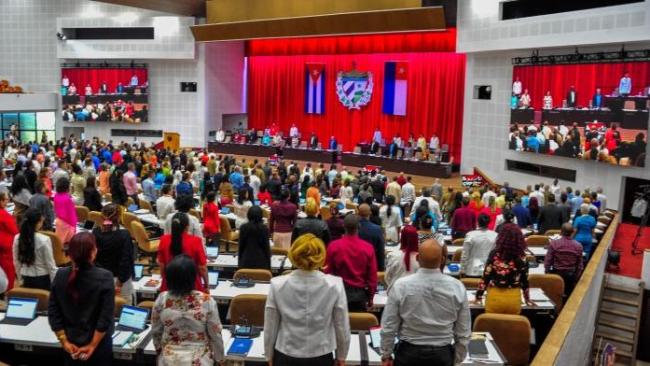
26, 240
390, 201
19, 183
80, 249
180, 221
181, 275
510, 242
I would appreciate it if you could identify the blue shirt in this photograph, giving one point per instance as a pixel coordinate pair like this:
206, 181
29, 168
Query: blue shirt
523, 216
524, 201
575, 203
184, 188
108, 157
149, 190
377, 137
598, 100
533, 143
237, 180
96, 162
159, 180
584, 224
514, 101
333, 144
625, 86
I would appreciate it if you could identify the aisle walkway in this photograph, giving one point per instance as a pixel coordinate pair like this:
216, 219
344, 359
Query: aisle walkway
630, 264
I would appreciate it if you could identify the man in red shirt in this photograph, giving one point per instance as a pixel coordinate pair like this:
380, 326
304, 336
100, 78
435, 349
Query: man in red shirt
354, 261
463, 221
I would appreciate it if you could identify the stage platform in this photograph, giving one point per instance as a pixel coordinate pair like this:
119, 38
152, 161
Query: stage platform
243, 149
423, 168
314, 155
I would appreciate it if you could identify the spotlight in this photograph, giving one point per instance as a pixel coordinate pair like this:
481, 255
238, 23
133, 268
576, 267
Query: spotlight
61, 36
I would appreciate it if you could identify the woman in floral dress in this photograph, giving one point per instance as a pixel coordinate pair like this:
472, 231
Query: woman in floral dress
185, 323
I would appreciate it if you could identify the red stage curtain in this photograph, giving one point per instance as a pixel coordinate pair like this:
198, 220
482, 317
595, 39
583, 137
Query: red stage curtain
276, 87
438, 41
585, 77
80, 77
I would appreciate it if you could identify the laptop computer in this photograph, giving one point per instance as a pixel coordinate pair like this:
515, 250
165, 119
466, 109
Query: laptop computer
213, 279
132, 319
212, 252
138, 270
20, 311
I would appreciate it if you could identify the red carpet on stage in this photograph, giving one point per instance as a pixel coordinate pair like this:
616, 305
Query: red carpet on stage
630, 264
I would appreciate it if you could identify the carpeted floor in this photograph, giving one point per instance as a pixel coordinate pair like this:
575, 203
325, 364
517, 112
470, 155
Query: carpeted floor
630, 264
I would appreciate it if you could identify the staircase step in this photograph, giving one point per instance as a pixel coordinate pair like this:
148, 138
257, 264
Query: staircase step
629, 290
614, 337
621, 313
619, 326
619, 300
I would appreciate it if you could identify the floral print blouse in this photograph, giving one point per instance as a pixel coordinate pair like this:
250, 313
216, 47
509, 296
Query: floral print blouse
504, 274
186, 330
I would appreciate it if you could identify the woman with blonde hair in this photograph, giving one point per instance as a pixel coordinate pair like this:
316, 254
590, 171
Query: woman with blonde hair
306, 315
311, 224
475, 202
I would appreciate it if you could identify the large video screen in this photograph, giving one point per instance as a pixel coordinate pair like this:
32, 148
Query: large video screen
105, 94
596, 111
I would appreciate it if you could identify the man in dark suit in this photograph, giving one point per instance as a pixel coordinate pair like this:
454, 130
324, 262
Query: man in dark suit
313, 141
551, 216
374, 147
571, 98
564, 204
372, 234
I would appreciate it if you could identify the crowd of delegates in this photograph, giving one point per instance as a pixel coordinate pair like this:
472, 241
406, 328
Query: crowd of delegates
117, 111
49, 180
597, 142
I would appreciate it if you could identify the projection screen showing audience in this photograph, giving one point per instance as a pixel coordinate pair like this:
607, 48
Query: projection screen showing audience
594, 111
111, 93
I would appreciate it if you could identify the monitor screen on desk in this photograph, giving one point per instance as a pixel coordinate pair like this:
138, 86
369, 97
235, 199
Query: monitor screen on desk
213, 278
212, 252
133, 317
22, 308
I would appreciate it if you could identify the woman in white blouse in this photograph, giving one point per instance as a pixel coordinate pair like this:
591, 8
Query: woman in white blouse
548, 100
391, 219
306, 316
402, 262
524, 100
241, 206
347, 193
33, 258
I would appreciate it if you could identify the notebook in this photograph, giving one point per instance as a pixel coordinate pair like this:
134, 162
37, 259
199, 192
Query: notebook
132, 319
213, 279
20, 311
240, 347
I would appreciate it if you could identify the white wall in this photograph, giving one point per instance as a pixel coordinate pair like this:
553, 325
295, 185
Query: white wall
486, 122
29, 46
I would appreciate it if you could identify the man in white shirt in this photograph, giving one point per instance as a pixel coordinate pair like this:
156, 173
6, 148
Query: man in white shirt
293, 132
516, 87
393, 188
476, 248
165, 203
221, 135
255, 183
376, 136
434, 143
429, 313
602, 198
486, 196
65, 81
556, 190
408, 193
537, 193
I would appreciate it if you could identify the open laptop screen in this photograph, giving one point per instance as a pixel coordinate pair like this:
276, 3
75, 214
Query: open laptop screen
22, 308
133, 317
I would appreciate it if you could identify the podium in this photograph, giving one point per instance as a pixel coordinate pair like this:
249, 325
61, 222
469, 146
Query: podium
171, 141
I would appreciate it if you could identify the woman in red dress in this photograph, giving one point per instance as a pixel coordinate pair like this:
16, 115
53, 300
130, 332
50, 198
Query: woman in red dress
180, 242
211, 223
8, 229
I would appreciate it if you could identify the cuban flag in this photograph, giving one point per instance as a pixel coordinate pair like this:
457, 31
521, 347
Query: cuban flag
315, 88
395, 87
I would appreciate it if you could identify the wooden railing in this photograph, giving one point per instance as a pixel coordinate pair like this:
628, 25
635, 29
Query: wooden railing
572, 333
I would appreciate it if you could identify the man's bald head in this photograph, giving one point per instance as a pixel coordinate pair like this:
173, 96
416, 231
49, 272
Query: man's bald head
567, 229
364, 210
430, 254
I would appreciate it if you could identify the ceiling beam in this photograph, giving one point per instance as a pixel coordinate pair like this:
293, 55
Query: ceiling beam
194, 8
380, 21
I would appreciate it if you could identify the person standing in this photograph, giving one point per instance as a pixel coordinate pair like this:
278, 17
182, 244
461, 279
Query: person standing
353, 259
463, 220
211, 219
185, 324
571, 97
322, 328
115, 252
81, 306
625, 85
42, 203
372, 234
8, 229
477, 246
254, 250
429, 313
584, 223
66, 213
32, 253
92, 198
391, 219
282, 220
131, 183
505, 276
311, 224
400, 263
564, 258
517, 87
551, 216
